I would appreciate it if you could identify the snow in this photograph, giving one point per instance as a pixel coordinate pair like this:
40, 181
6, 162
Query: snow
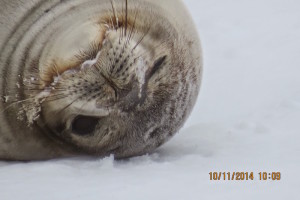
246, 120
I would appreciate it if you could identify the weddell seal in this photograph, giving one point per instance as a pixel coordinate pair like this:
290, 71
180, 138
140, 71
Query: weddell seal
94, 77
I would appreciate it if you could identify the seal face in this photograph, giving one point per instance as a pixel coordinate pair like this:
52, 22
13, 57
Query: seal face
98, 78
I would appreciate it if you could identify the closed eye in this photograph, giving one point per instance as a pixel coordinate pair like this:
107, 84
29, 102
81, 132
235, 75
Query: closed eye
156, 66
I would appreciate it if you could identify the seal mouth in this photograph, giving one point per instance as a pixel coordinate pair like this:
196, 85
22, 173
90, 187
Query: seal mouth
84, 125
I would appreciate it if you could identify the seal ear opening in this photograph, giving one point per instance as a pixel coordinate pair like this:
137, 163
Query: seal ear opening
156, 66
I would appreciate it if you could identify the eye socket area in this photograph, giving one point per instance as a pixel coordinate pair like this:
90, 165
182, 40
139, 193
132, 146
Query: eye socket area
84, 125
156, 66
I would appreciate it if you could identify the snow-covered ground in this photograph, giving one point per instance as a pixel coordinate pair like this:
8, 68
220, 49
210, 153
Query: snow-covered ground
247, 119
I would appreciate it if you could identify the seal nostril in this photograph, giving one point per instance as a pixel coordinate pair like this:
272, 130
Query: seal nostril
84, 125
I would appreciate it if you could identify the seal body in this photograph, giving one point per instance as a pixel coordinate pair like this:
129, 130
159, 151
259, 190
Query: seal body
94, 77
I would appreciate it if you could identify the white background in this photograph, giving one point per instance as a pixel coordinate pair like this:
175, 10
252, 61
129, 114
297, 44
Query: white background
246, 120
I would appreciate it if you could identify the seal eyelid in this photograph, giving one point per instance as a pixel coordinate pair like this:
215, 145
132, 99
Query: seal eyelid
156, 66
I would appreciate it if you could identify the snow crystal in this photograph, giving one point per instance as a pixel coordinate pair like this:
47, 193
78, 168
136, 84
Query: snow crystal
6, 98
18, 85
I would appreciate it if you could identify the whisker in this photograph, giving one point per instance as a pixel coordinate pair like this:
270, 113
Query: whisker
55, 95
33, 89
142, 38
122, 27
68, 105
55, 99
56, 69
133, 27
114, 12
126, 16
16, 103
32, 83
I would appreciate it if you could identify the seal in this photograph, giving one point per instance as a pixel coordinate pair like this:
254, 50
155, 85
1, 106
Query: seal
94, 77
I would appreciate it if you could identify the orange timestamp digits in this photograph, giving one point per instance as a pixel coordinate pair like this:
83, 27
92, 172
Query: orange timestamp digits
243, 176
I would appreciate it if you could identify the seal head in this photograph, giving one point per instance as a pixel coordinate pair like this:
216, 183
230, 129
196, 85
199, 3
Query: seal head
117, 83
